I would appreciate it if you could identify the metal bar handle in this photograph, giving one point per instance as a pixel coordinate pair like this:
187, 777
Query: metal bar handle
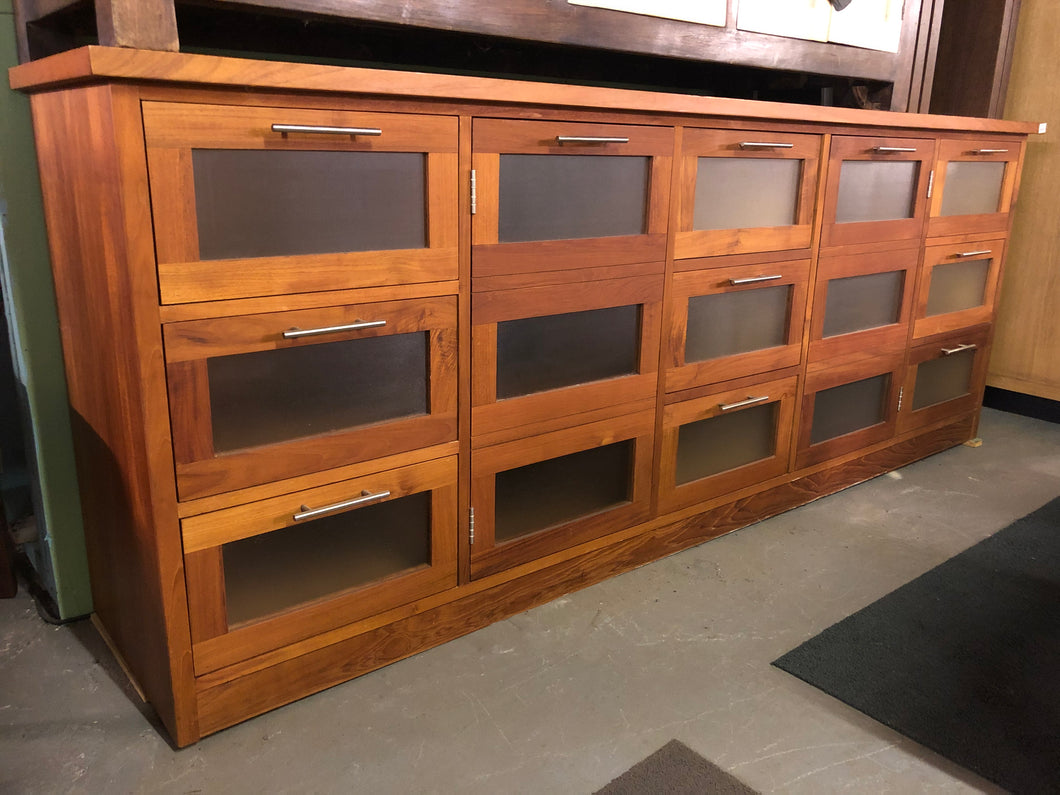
740, 404
318, 130
968, 346
365, 498
887, 150
764, 145
980, 253
989, 151
298, 333
755, 280
589, 139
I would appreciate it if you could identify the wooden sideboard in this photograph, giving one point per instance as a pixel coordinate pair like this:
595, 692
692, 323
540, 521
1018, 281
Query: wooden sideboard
361, 361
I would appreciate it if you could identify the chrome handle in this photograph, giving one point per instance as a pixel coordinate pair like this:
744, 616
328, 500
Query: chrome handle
298, 333
589, 139
989, 151
964, 254
754, 280
739, 405
307, 128
968, 346
365, 498
886, 150
764, 145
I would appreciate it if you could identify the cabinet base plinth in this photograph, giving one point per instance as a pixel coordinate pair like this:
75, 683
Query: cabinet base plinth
223, 703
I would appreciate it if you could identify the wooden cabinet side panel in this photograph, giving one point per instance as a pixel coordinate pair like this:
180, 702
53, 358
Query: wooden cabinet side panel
94, 179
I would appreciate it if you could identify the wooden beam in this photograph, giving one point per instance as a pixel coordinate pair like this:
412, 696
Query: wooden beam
143, 24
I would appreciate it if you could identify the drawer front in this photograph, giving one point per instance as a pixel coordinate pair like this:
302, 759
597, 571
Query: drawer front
546, 493
945, 377
559, 195
244, 208
876, 189
725, 441
732, 322
744, 191
257, 398
546, 352
958, 286
862, 303
975, 182
273, 572
848, 407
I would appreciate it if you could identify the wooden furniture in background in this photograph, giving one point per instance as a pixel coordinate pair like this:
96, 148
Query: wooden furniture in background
48, 26
360, 361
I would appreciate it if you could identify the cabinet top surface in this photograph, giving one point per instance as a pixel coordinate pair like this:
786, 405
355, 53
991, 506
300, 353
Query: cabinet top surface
94, 64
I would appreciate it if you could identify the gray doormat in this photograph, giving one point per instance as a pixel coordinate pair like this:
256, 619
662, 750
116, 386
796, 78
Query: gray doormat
676, 769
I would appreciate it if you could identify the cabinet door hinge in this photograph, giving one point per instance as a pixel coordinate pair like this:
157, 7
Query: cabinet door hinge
471, 525
901, 393
474, 193
931, 183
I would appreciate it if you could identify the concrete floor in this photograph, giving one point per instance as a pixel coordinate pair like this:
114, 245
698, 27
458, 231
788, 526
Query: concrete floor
566, 697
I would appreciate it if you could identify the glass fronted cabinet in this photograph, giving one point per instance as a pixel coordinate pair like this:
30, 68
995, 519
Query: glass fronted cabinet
848, 407
721, 442
262, 397
862, 302
958, 286
745, 191
550, 351
541, 494
945, 377
876, 189
279, 570
974, 186
551, 196
256, 201
732, 322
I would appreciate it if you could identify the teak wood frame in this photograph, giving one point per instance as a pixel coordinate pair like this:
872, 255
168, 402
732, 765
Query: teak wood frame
148, 549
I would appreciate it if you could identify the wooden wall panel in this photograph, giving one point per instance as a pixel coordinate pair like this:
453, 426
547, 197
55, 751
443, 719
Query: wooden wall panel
1025, 356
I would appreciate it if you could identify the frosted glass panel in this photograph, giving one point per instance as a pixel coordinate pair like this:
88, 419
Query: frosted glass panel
744, 192
943, 379
266, 204
876, 191
849, 407
957, 285
272, 572
266, 397
972, 188
539, 353
724, 442
559, 490
856, 303
561, 197
729, 323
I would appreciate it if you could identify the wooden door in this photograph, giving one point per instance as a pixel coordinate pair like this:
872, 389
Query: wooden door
543, 494
553, 196
260, 397
848, 407
551, 351
732, 322
862, 304
945, 377
745, 191
974, 186
724, 441
876, 189
279, 570
958, 286
253, 201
